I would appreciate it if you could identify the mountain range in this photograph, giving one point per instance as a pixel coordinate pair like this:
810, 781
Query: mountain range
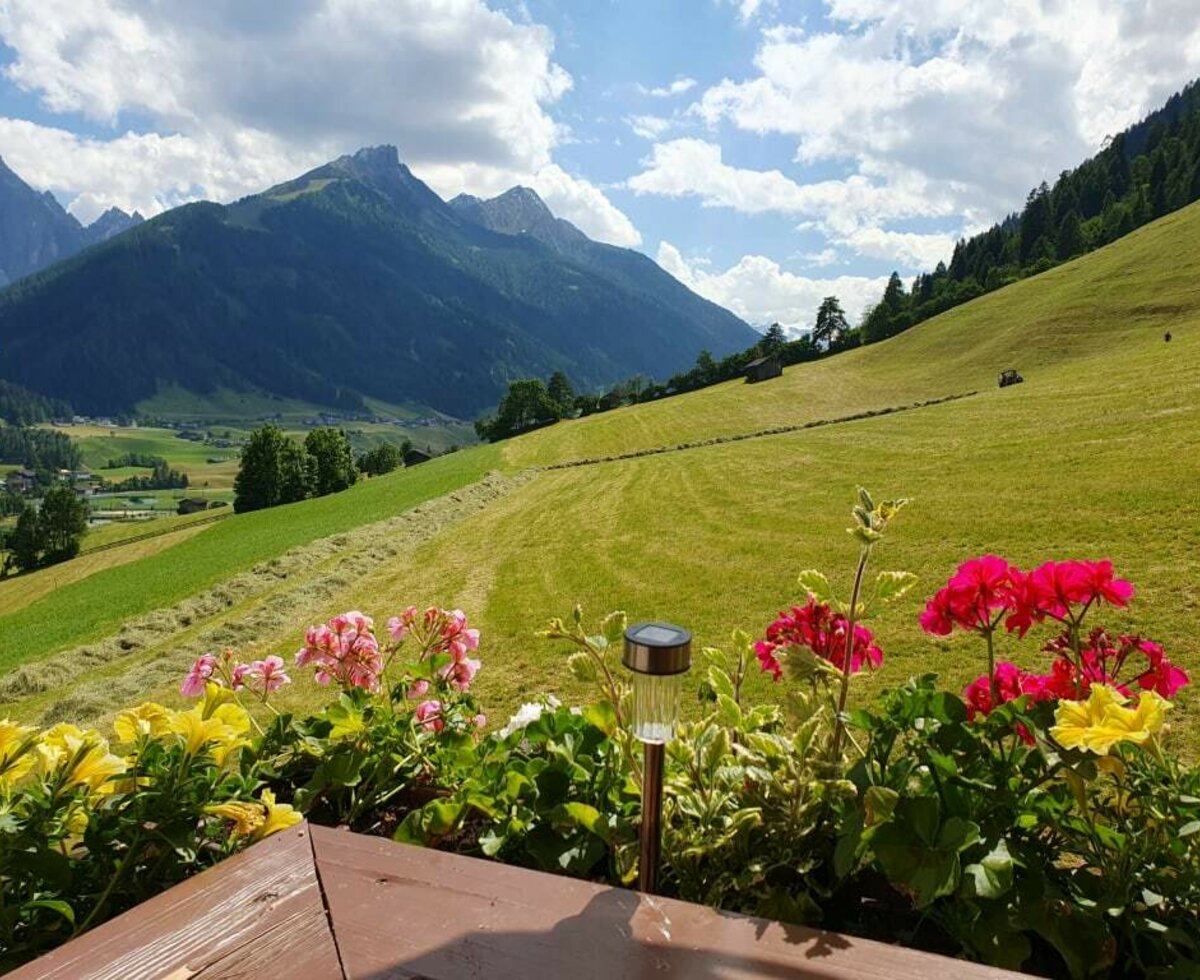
35, 230
352, 281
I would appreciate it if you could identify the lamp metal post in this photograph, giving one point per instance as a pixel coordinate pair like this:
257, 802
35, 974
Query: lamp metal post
658, 654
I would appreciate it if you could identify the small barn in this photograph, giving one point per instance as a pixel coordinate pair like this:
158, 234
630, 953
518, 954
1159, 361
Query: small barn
763, 369
192, 505
414, 457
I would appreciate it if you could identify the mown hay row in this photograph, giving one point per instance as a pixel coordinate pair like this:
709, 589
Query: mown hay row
320, 569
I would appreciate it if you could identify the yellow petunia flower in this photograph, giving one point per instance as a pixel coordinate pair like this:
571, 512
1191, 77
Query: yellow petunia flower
1102, 721
16, 757
256, 820
222, 733
279, 817
246, 817
92, 765
57, 744
147, 720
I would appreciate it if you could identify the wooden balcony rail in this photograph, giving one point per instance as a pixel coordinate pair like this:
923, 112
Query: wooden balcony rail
312, 902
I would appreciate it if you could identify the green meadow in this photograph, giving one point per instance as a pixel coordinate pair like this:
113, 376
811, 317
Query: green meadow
1096, 455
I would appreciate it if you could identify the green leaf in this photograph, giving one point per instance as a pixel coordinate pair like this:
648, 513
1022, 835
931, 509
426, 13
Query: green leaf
719, 681
921, 815
730, 712
890, 586
441, 816
879, 803
958, 834
992, 876
816, 584
917, 854
582, 666
491, 841
54, 905
864, 534
590, 819
613, 626
601, 715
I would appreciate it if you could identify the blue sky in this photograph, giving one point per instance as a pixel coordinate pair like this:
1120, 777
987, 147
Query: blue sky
766, 152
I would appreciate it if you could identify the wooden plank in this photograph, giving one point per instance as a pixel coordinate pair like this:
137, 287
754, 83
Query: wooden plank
401, 911
260, 913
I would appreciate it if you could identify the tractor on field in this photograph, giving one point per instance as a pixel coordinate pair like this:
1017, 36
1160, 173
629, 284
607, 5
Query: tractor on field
1010, 377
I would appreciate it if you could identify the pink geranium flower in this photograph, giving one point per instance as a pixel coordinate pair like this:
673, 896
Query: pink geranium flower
429, 715
459, 673
267, 675
344, 650
198, 676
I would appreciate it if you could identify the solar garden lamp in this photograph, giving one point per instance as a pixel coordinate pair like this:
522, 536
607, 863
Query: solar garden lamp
658, 654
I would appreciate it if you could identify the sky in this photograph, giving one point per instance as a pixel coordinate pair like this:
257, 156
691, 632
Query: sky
767, 153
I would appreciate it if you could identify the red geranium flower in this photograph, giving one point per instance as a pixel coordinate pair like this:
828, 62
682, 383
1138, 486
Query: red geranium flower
823, 631
977, 589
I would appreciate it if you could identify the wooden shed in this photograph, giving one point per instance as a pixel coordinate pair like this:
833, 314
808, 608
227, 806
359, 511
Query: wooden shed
763, 369
414, 457
192, 505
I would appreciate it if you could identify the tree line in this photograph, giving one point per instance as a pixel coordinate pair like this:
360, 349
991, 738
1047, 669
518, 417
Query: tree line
531, 403
1143, 173
19, 406
161, 477
38, 449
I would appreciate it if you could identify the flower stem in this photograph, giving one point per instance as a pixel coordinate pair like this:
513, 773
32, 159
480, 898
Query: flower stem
991, 648
839, 726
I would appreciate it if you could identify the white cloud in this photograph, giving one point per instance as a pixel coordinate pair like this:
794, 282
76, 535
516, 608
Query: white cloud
749, 9
825, 257
848, 211
761, 292
249, 94
677, 87
650, 127
951, 88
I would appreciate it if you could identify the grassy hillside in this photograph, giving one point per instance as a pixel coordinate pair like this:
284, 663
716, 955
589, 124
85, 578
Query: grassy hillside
1094, 306
91, 608
1098, 454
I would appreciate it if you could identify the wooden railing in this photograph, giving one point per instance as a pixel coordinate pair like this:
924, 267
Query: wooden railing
312, 902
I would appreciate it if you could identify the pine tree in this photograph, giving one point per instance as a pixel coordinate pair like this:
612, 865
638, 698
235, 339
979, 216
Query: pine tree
295, 472
562, 393
257, 484
773, 340
831, 321
24, 543
1035, 223
331, 461
1158, 185
1070, 236
61, 524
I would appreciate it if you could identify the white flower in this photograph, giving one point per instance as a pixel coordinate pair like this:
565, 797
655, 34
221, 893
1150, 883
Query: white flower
527, 714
